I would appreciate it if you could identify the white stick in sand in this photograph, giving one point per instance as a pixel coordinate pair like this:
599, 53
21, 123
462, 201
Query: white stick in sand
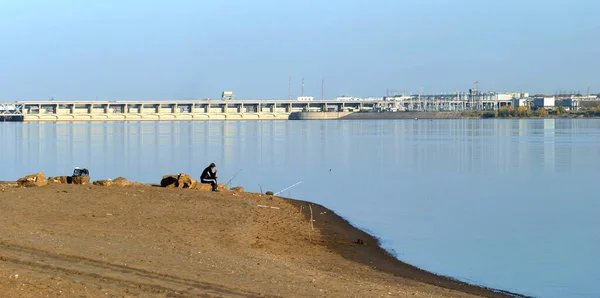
311, 218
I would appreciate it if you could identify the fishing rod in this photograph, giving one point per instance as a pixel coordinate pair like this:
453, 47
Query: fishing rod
238, 172
289, 187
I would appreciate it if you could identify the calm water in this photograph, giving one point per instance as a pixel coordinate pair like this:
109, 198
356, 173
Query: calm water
509, 204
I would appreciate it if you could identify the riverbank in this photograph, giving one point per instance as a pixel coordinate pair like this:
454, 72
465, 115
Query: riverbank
464, 115
88, 240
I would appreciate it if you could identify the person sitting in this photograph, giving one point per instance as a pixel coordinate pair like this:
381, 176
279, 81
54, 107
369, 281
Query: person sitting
209, 176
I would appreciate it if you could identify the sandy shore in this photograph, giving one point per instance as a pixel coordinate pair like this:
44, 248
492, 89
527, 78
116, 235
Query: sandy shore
144, 241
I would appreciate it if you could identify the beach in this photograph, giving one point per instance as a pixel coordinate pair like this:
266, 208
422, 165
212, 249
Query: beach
145, 241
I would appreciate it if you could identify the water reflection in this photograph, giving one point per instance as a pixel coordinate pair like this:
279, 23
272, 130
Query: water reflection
473, 146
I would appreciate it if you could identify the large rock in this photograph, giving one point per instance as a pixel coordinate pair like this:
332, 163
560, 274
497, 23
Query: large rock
120, 181
58, 180
107, 182
33, 180
208, 187
238, 189
80, 180
203, 187
180, 181
186, 181
222, 186
169, 181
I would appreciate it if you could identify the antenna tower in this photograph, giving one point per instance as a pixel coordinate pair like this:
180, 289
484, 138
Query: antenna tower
475, 97
302, 87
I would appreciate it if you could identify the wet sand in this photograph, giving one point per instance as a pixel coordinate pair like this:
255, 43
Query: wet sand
144, 241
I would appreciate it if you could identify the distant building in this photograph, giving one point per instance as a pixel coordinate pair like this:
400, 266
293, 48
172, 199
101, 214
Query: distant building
571, 104
519, 102
519, 95
504, 96
227, 95
544, 102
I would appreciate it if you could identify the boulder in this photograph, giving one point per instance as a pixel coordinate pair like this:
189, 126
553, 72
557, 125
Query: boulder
203, 187
186, 181
169, 181
180, 181
80, 180
33, 180
103, 182
58, 180
53, 180
238, 189
120, 181
222, 186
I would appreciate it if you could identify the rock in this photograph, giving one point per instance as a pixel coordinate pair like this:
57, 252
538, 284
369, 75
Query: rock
120, 181
203, 187
180, 181
222, 186
58, 180
80, 180
33, 180
103, 182
238, 189
53, 180
186, 181
169, 181
269, 193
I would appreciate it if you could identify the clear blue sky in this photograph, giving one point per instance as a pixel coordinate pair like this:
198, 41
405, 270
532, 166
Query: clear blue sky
181, 49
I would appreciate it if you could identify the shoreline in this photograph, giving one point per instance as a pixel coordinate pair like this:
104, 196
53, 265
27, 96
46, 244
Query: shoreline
454, 116
373, 254
332, 232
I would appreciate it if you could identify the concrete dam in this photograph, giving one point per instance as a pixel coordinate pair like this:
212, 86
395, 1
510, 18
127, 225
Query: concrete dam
57, 111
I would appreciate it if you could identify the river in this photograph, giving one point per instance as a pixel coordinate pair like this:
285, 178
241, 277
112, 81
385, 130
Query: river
508, 204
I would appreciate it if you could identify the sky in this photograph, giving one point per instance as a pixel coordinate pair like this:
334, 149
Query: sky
189, 49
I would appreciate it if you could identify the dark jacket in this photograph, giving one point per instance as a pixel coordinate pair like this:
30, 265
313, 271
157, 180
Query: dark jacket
208, 174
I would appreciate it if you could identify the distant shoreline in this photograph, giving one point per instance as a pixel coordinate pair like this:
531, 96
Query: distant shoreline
458, 115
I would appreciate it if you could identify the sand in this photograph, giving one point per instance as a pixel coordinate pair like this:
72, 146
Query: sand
144, 241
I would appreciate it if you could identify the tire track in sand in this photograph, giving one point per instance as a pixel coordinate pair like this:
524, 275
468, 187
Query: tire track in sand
105, 272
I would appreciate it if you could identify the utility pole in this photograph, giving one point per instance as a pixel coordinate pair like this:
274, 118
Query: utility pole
290, 88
